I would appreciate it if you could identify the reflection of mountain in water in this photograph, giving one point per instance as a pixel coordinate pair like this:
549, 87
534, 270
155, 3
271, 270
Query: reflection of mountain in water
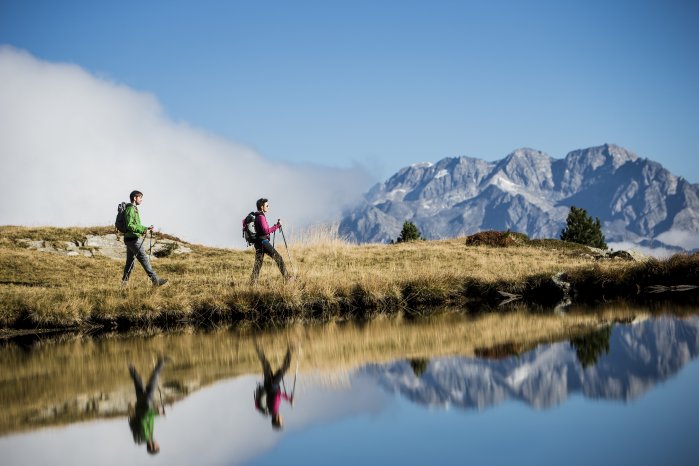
640, 355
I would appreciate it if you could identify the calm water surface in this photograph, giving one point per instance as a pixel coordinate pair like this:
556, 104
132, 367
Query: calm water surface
625, 394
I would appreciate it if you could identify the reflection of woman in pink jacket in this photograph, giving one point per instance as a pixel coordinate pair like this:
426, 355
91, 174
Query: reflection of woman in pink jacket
268, 395
262, 244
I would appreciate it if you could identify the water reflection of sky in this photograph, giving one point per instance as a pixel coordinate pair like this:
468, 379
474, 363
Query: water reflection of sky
217, 425
659, 428
639, 404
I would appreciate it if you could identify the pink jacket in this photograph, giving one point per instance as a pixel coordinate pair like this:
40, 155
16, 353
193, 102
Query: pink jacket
278, 401
261, 226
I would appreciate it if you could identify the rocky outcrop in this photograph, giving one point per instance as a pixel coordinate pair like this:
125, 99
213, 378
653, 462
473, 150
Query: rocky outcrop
99, 405
111, 246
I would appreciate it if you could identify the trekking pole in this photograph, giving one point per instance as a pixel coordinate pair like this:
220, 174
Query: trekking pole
293, 389
150, 244
285, 245
161, 399
274, 237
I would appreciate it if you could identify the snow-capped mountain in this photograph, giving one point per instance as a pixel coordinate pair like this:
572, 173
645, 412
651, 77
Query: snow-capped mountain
640, 356
636, 199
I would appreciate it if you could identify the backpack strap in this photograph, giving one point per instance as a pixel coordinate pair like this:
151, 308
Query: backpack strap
259, 234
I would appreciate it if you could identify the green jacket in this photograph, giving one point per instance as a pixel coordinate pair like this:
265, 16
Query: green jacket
134, 229
142, 423
147, 424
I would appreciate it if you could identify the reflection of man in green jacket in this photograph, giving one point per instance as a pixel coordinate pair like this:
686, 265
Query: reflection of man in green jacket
134, 247
142, 417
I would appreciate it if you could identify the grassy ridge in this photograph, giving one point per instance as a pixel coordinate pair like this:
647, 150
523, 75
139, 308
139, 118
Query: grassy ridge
334, 279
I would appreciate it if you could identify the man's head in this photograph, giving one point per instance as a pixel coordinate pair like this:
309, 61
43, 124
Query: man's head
134, 194
152, 447
261, 202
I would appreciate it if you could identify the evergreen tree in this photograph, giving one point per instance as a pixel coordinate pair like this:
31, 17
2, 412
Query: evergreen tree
409, 232
581, 228
588, 348
419, 365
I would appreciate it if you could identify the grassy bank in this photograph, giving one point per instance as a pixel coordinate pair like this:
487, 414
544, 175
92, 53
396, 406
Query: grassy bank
334, 279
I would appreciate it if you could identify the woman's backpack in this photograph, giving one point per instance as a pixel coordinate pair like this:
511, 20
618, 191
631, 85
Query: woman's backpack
261, 400
249, 232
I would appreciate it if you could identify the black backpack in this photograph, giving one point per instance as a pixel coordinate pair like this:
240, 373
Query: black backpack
249, 232
120, 222
261, 399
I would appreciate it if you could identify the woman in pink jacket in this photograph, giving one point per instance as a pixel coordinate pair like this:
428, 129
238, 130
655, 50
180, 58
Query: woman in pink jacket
262, 244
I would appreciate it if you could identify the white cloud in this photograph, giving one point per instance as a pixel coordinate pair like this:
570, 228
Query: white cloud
658, 253
682, 238
73, 145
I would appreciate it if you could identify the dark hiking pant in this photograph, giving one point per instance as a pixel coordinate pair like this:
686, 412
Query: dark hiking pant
273, 379
265, 247
144, 395
136, 250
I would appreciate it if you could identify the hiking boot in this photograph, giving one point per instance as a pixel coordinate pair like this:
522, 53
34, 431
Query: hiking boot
159, 281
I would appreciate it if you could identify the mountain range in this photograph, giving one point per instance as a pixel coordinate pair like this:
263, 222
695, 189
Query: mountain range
640, 356
636, 199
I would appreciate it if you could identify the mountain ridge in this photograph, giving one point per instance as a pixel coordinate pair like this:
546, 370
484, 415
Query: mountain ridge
638, 356
637, 200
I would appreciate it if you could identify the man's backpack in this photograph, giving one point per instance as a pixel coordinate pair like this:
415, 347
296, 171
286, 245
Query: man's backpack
120, 222
249, 232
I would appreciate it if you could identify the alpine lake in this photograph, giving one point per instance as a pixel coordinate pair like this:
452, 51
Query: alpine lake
613, 386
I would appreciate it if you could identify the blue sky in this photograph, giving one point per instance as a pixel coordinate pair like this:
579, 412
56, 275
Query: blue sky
385, 84
205, 106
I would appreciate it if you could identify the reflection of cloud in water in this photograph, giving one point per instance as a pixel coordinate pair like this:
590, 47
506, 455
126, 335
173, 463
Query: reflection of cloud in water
217, 425
640, 356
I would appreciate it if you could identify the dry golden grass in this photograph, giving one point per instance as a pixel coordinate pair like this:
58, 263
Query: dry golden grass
333, 278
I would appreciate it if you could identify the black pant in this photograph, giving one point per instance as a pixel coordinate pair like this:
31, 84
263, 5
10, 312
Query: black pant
135, 250
144, 395
265, 247
273, 379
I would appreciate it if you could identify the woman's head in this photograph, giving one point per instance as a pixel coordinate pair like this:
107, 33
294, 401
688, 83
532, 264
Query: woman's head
262, 204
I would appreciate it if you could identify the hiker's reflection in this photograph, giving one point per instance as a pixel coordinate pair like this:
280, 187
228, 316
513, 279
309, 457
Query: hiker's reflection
142, 417
268, 395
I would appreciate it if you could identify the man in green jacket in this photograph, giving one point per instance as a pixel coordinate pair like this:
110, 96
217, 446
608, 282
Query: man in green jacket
134, 247
142, 417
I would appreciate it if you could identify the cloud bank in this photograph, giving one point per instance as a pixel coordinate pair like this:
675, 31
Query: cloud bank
682, 238
73, 145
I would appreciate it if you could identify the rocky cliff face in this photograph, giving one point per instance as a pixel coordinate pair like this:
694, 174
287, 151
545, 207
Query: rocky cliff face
636, 199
